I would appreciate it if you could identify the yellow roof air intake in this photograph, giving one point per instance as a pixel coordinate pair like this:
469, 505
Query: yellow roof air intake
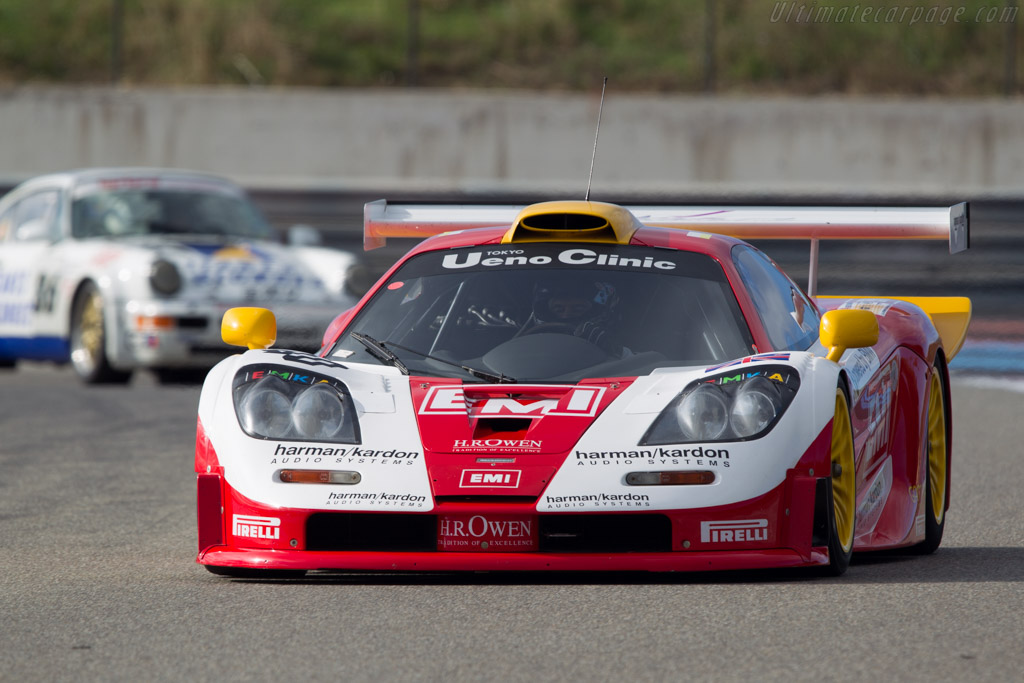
575, 221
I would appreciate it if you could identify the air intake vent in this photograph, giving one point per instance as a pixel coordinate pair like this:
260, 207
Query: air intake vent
637, 533
575, 222
374, 532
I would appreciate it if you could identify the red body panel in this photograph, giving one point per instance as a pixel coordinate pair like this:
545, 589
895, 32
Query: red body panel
773, 530
888, 418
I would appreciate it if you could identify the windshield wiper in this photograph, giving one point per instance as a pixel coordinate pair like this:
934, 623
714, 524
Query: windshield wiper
379, 351
494, 378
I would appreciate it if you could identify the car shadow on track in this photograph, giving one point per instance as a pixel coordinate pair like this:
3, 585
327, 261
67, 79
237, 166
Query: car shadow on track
947, 565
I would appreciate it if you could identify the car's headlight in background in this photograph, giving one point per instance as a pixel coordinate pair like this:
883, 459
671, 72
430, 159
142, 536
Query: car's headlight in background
278, 402
164, 277
728, 407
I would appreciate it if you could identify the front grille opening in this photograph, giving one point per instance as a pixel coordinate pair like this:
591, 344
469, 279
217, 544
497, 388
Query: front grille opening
192, 322
633, 533
373, 532
605, 533
501, 425
483, 498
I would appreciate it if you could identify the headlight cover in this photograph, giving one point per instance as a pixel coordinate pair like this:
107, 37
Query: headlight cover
737, 406
164, 277
283, 402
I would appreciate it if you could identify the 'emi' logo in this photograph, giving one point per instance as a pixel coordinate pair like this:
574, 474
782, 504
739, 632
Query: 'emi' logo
490, 479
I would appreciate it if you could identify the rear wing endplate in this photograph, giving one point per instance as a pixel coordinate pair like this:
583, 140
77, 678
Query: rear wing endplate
381, 220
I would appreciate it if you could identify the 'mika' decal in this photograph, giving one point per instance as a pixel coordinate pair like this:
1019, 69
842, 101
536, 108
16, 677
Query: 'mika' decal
750, 359
449, 400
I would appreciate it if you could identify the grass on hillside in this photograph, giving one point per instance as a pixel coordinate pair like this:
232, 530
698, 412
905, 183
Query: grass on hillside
641, 45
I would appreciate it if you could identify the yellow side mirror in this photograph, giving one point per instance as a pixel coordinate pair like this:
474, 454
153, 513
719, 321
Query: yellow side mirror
253, 327
847, 329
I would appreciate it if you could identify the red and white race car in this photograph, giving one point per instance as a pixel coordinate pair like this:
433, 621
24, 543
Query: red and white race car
584, 386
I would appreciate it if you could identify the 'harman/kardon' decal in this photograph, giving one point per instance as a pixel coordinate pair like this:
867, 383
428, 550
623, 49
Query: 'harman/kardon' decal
376, 499
289, 454
599, 500
699, 455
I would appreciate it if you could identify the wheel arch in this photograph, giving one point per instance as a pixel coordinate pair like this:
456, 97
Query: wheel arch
113, 331
940, 365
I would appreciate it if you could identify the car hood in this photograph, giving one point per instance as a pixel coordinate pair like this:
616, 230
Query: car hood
230, 270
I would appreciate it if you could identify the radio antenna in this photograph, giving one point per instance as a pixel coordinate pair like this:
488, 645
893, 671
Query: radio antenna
593, 156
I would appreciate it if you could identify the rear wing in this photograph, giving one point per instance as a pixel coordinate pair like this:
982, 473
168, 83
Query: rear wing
381, 220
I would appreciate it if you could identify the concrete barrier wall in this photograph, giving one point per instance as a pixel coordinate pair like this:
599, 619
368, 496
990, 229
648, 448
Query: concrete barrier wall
488, 141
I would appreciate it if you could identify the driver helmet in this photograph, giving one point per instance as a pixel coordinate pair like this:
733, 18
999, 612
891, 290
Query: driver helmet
572, 301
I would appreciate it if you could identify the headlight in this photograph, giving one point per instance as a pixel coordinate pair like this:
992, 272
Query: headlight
703, 414
164, 277
265, 410
318, 412
756, 405
276, 402
733, 407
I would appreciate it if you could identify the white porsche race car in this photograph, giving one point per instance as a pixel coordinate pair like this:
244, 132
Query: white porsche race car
125, 268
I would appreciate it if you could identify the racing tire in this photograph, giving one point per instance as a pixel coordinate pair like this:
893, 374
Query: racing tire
249, 573
937, 454
843, 491
89, 338
8, 363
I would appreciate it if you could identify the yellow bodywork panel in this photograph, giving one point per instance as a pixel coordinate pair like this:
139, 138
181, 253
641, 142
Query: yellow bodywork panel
575, 221
951, 316
252, 327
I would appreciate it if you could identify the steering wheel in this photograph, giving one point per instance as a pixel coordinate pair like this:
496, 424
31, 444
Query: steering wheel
557, 327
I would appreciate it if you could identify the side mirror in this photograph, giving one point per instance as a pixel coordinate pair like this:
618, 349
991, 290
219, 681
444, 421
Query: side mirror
255, 328
847, 329
304, 236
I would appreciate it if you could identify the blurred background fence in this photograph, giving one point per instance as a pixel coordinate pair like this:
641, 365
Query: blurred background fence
321, 105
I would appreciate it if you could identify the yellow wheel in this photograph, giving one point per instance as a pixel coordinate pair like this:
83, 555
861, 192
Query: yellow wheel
844, 488
88, 339
937, 454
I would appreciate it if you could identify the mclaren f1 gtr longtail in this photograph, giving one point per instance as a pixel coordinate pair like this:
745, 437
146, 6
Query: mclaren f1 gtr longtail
585, 386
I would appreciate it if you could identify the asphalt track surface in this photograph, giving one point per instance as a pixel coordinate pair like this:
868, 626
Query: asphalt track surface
97, 543
99, 583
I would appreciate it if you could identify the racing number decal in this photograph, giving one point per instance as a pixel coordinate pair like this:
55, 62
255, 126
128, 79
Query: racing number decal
46, 293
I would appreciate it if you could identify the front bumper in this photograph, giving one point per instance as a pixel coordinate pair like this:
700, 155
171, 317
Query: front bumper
780, 529
187, 335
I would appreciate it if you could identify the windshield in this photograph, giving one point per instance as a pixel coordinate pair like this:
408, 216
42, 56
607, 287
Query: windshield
119, 212
549, 313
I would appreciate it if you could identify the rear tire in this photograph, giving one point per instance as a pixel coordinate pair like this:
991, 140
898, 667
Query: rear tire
843, 508
937, 454
89, 339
